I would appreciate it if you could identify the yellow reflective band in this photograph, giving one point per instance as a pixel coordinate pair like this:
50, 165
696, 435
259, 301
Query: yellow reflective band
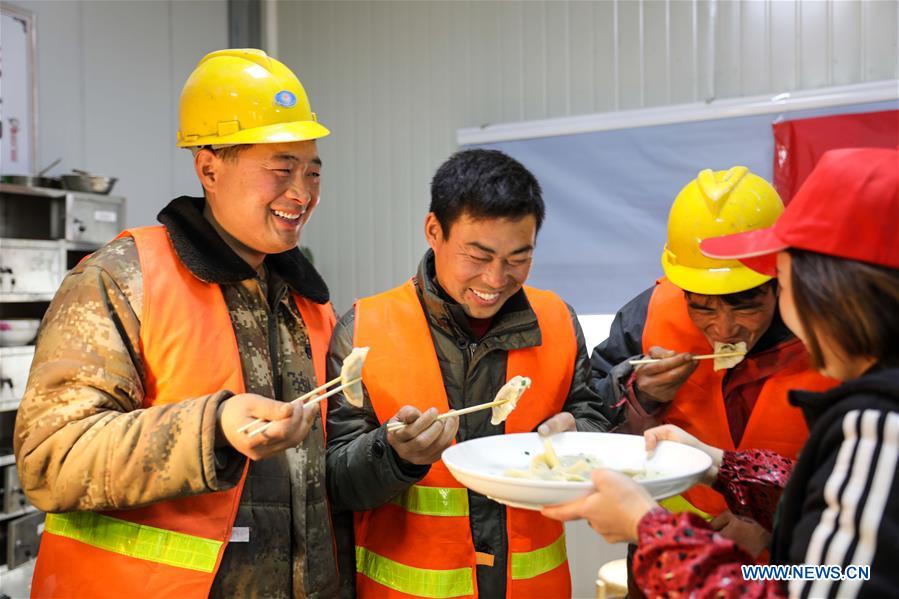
539, 561
433, 501
136, 540
414, 581
679, 504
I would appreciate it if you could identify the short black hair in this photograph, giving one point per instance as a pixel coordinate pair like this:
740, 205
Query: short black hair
743, 297
484, 184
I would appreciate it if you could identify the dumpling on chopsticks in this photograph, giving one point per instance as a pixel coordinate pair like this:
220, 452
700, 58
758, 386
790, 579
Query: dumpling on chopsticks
509, 394
737, 352
350, 372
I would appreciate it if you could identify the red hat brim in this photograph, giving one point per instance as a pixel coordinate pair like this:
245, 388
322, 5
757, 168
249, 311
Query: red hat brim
756, 249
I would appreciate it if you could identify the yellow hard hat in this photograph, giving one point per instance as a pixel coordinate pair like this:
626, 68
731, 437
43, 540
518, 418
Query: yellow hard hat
244, 97
715, 204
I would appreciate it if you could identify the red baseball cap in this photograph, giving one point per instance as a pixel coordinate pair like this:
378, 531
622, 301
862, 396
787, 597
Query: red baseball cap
848, 207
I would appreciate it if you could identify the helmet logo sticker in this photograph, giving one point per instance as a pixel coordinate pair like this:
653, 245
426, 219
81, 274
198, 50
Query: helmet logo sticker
286, 98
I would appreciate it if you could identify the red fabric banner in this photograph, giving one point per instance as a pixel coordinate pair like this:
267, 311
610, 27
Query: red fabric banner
799, 144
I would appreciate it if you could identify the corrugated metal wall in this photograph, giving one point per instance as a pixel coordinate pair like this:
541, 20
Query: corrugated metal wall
109, 78
394, 80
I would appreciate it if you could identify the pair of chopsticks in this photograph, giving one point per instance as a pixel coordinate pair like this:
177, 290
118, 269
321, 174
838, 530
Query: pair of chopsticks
729, 354
396, 425
302, 399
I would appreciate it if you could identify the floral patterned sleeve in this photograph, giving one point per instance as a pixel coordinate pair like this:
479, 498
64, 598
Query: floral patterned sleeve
752, 481
678, 554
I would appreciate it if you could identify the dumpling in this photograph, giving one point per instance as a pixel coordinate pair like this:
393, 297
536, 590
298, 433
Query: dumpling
738, 351
509, 394
349, 372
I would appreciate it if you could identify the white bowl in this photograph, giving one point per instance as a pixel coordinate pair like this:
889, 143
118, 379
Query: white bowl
480, 465
18, 331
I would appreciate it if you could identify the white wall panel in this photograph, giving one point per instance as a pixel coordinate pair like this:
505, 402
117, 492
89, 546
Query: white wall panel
109, 77
605, 88
395, 79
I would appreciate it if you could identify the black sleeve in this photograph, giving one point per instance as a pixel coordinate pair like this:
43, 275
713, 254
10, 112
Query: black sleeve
363, 470
848, 513
610, 370
582, 402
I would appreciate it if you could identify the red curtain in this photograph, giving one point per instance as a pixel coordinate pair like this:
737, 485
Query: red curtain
798, 144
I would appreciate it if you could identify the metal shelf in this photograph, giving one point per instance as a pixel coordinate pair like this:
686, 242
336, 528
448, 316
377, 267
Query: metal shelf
6, 460
12, 298
53, 192
11, 350
46, 192
7, 405
10, 515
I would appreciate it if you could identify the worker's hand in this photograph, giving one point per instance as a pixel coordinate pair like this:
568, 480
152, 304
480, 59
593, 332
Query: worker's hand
745, 532
290, 424
613, 509
660, 381
669, 432
561, 422
424, 437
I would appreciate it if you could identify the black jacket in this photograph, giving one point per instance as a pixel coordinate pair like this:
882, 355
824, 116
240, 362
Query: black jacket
841, 505
364, 472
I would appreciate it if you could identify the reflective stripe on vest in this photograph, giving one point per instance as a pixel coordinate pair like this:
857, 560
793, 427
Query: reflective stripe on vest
453, 583
414, 581
136, 540
433, 501
679, 504
420, 544
539, 561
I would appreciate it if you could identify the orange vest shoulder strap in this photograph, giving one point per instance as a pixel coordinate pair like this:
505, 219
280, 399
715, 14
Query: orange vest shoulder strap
550, 365
668, 323
319, 320
395, 327
180, 313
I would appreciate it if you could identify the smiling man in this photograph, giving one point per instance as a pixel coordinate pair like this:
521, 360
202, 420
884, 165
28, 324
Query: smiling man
160, 346
450, 338
699, 302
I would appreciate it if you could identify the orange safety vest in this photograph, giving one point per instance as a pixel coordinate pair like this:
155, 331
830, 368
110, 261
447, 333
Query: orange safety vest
420, 544
698, 407
172, 548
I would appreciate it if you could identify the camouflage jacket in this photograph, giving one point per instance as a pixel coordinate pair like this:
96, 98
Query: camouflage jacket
83, 443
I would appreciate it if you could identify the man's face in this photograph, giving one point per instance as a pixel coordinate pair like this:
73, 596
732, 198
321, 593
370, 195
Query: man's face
482, 263
264, 196
725, 323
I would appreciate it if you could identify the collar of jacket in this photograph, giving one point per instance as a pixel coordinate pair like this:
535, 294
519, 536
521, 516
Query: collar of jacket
776, 334
515, 318
880, 380
210, 259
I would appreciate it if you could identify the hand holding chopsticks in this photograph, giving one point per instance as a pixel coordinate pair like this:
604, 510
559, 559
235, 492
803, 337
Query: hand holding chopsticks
351, 384
304, 399
502, 405
395, 425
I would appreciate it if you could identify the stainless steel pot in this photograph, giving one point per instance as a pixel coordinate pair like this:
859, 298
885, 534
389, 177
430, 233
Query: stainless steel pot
83, 181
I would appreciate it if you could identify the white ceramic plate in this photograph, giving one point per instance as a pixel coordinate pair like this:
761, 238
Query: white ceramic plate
480, 464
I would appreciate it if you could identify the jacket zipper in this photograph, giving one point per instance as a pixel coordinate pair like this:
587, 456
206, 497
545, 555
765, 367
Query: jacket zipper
274, 339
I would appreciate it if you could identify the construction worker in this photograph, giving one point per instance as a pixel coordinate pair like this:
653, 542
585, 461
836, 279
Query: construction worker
162, 344
837, 506
450, 338
701, 302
